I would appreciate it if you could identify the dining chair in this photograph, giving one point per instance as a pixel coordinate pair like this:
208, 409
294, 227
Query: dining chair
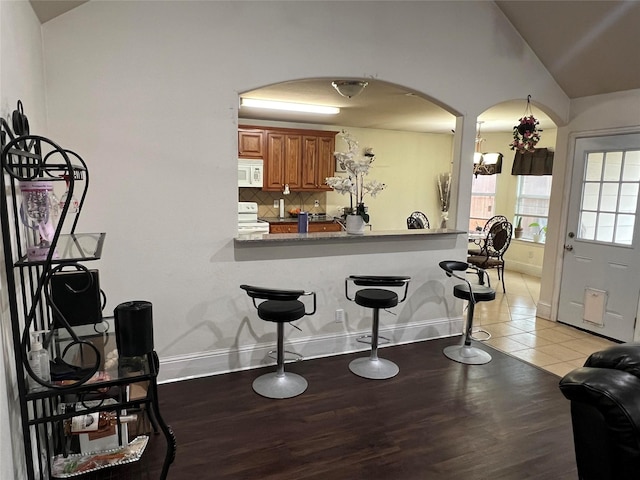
417, 220
493, 250
477, 249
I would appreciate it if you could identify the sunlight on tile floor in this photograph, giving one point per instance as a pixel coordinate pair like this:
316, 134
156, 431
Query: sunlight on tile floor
511, 320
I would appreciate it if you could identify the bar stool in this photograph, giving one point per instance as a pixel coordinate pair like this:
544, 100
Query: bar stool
279, 306
466, 353
373, 367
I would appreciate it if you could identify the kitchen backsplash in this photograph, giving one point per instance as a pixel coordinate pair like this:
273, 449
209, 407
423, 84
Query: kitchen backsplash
303, 200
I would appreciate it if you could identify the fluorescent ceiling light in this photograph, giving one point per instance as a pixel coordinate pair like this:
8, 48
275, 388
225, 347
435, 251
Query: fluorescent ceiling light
291, 107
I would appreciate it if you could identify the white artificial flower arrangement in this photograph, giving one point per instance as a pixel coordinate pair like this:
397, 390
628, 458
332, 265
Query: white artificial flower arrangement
357, 166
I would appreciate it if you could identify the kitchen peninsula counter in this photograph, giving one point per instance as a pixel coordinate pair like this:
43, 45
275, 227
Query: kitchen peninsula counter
312, 219
259, 239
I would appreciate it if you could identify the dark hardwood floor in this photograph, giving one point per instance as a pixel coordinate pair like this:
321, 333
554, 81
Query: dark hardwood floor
437, 419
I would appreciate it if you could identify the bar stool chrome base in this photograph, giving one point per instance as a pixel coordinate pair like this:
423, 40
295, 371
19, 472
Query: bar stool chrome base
467, 354
374, 369
280, 385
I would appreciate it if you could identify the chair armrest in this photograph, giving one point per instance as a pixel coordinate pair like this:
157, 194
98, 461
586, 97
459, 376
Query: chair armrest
625, 357
614, 393
282, 295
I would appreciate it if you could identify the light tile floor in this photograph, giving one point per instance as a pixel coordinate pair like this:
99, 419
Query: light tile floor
511, 320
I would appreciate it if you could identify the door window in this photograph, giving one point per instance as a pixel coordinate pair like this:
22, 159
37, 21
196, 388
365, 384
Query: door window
609, 196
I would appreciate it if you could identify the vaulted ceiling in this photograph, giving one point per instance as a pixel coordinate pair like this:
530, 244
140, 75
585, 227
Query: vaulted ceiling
589, 47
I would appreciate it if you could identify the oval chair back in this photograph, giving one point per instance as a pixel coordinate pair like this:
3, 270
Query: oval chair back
417, 220
493, 220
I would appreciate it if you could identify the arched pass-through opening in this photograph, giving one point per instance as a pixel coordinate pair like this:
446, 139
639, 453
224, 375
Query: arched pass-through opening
412, 137
521, 195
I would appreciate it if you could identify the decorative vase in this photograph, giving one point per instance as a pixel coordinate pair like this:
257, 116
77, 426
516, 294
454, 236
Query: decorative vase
536, 237
355, 225
444, 217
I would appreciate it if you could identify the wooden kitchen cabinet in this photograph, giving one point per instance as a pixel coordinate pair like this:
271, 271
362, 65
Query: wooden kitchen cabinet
283, 228
317, 161
314, 227
302, 159
324, 227
250, 143
283, 162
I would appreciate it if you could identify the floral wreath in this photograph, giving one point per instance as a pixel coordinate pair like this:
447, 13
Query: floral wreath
526, 134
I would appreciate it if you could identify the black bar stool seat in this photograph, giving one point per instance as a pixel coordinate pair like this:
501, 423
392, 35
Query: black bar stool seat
376, 298
279, 306
280, 311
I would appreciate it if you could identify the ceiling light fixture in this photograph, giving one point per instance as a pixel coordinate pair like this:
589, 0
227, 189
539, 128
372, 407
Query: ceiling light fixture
349, 88
485, 163
290, 107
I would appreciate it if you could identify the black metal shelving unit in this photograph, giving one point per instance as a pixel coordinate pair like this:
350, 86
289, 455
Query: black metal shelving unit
26, 157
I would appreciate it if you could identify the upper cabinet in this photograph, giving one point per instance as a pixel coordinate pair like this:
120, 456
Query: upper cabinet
250, 143
301, 159
317, 161
283, 164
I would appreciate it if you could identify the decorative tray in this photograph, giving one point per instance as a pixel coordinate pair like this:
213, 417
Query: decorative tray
81, 463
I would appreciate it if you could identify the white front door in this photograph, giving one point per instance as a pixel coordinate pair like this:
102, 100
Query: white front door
600, 283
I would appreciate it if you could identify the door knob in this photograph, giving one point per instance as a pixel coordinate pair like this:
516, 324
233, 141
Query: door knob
568, 248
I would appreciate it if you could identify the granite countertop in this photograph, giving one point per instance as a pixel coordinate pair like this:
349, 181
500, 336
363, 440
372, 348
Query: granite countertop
289, 219
257, 239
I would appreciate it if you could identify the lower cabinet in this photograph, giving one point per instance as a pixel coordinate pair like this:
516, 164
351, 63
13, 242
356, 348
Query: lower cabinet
314, 227
324, 227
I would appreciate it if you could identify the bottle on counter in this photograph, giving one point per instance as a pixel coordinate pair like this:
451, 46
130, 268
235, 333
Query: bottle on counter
94, 422
38, 361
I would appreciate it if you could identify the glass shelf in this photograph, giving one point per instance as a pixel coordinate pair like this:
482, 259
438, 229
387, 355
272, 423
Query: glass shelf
112, 371
74, 247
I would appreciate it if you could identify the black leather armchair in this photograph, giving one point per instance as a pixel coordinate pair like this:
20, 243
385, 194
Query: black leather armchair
605, 413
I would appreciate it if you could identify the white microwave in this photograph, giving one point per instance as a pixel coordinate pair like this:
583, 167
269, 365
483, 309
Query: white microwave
250, 172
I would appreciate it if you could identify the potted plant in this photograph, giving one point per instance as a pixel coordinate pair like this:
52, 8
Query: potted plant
519, 229
357, 166
540, 230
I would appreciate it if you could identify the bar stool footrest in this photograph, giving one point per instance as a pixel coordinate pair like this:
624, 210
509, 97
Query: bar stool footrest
292, 356
367, 339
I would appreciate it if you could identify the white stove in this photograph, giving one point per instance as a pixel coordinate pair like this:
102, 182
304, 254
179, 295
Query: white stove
248, 219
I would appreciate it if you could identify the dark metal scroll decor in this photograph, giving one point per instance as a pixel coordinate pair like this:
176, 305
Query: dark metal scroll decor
22, 159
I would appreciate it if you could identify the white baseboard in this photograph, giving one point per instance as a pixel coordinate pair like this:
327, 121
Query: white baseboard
526, 268
184, 367
543, 310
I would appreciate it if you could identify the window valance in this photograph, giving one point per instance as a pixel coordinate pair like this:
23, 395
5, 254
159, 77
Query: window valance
538, 162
